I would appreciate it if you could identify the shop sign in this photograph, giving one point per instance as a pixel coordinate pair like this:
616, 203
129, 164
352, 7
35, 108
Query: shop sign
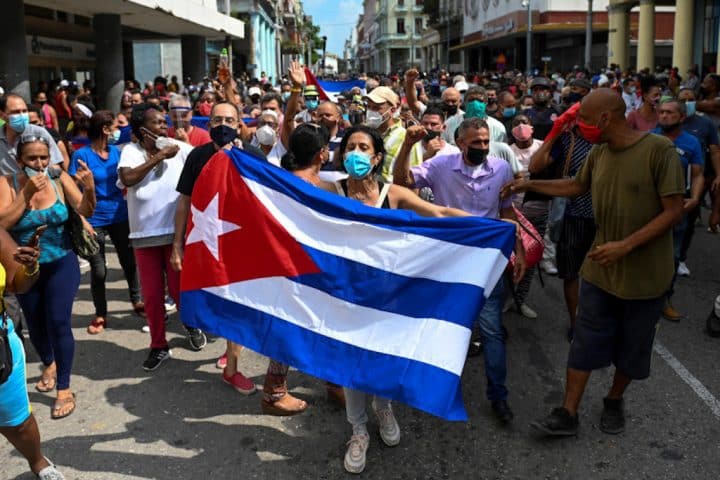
498, 28
58, 48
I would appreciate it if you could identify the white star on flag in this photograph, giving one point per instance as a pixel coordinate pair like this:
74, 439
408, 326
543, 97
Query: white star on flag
208, 226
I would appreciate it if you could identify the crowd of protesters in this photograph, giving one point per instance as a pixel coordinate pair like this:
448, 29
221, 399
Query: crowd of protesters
611, 170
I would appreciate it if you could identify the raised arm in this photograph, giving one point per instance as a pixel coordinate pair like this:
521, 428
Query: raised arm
401, 170
410, 92
297, 76
83, 203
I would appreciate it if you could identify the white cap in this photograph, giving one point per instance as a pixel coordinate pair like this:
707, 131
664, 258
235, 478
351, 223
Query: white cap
461, 86
2, 92
85, 110
64, 83
254, 91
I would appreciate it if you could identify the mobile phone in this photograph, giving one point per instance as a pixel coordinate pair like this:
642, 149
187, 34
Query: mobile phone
35, 239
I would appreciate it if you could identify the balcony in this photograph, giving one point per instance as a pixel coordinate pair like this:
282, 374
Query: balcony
401, 7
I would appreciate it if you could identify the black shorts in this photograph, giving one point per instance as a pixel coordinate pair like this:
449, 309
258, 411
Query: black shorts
577, 237
609, 330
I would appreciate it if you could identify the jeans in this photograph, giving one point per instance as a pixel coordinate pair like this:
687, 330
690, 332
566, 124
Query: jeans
489, 322
678, 237
356, 407
154, 266
48, 311
118, 233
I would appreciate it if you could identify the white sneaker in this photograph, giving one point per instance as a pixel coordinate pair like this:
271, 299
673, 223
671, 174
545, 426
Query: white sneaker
548, 267
83, 264
145, 329
527, 312
170, 306
356, 453
50, 473
389, 428
683, 270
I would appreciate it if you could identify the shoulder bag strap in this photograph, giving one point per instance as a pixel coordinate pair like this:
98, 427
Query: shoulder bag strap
568, 157
383, 194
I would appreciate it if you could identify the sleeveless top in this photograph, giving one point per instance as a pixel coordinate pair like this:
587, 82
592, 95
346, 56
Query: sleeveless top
47, 119
55, 242
383, 200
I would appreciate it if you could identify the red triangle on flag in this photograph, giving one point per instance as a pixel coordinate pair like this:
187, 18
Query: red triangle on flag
257, 246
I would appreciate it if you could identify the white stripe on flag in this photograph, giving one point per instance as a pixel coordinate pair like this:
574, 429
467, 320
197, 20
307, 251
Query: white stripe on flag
402, 253
431, 341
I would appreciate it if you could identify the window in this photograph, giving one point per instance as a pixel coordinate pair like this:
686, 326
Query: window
418, 53
62, 16
419, 3
418, 25
400, 25
401, 3
84, 21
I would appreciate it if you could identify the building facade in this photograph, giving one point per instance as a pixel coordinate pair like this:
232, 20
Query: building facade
50, 39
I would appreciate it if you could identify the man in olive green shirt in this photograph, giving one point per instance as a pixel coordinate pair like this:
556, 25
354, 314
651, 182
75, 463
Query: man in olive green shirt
637, 189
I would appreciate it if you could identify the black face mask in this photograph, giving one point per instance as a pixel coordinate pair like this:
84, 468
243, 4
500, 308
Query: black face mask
541, 98
222, 135
669, 128
450, 109
573, 97
477, 156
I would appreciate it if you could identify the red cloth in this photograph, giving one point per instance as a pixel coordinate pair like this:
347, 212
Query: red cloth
311, 80
197, 136
153, 264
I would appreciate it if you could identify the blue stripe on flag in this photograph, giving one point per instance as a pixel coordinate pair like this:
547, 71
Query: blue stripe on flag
341, 86
470, 231
417, 384
384, 290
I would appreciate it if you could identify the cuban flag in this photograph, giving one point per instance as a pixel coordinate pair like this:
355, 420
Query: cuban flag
378, 300
330, 89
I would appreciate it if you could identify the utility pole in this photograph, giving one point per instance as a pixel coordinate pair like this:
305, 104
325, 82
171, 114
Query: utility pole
412, 46
528, 36
324, 39
448, 35
588, 36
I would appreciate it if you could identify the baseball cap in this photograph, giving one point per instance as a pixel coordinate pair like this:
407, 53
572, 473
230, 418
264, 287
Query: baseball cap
582, 83
64, 83
461, 86
383, 95
540, 82
311, 91
254, 91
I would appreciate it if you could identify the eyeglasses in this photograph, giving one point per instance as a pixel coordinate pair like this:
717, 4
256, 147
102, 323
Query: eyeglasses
232, 121
262, 123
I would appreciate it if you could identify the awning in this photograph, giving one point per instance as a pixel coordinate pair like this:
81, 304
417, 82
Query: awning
169, 17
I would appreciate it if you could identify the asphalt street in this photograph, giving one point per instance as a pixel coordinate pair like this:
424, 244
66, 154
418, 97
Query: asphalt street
181, 422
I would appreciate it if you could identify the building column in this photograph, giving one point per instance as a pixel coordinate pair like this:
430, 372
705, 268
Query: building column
194, 55
646, 36
109, 72
13, 54
128, 60
683, 35
618, 35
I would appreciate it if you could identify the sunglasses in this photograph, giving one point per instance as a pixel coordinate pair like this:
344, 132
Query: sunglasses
32, 139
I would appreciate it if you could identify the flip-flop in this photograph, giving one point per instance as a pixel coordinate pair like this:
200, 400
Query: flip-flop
97, 326
48, 384
60, 404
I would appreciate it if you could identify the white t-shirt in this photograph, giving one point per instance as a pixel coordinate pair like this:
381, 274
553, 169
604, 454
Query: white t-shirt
152, 201
275, 154
418, 151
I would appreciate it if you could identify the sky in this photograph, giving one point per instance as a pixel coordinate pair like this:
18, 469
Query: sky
336, 20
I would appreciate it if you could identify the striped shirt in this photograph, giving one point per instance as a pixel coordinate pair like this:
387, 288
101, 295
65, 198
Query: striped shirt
393, 139
579, 206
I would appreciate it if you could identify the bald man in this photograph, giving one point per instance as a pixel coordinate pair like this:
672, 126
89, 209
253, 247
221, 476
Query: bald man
638, 187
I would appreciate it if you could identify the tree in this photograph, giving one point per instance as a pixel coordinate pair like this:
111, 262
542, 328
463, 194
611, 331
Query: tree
311, 33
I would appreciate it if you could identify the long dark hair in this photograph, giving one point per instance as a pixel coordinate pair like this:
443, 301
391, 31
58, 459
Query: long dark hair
99, 120
305, 142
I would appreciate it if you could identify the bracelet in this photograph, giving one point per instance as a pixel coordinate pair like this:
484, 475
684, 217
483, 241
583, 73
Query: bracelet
296, 90
34, 272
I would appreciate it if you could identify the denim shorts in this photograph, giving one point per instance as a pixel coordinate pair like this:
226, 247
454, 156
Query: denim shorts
14, 402
613, 330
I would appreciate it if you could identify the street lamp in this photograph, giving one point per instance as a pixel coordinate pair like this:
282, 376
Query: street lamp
528, 37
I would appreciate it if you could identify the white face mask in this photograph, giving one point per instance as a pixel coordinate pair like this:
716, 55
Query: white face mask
374, 119
266, 135
162, 142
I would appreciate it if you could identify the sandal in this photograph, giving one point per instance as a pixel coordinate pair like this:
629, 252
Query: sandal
60, 405
46, 384
284, 407
97, 326
139, 309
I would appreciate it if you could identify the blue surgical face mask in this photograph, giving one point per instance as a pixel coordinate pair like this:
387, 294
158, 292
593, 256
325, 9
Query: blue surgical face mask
285, 96
31, 172
690, 107
311, 104
509, 112
357, 164
19, 122
114, 137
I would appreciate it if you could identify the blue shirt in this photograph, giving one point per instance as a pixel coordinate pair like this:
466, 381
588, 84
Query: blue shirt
689, 150
111, 206
702, 128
